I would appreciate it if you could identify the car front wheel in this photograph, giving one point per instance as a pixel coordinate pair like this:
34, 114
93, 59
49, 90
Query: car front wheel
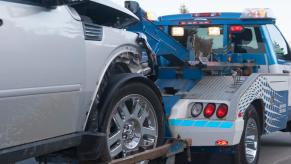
134, 122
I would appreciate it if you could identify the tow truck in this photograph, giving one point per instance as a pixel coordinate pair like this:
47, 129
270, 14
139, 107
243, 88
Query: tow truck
224, 77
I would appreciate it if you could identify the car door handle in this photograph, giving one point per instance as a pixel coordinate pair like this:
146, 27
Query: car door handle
286, 71
1, 22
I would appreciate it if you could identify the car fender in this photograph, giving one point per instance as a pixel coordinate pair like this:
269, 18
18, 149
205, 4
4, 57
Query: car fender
117, 82
126, 48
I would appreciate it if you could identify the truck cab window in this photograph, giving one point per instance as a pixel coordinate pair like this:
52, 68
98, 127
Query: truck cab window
90, 12
207, 34
205, 38
279, 43
248, 40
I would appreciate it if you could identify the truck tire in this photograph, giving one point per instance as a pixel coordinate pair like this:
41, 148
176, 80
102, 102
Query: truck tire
133, 121
248, 149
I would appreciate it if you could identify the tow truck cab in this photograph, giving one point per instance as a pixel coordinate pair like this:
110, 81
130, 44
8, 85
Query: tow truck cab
219, 41
213, 67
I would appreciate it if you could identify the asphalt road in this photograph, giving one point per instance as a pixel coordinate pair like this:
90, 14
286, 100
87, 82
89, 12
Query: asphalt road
276, 149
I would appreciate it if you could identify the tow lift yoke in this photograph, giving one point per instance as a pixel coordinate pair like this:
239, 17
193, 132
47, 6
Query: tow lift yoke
166, 152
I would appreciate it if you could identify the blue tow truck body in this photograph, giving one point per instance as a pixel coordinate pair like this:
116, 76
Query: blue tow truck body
248, 65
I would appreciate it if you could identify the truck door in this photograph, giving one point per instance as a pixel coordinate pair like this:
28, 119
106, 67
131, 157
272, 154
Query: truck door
42, 54
282, 51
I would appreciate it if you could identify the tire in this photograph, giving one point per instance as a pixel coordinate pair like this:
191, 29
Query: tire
251, 131
133, 118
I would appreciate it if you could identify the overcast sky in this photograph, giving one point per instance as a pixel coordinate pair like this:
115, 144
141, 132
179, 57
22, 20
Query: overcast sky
281, 8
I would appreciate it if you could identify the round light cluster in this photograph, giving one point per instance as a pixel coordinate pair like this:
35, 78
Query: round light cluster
208, 111
196, 109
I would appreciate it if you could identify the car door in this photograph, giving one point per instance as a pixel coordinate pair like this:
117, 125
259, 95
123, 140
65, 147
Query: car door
282, 51
41, 70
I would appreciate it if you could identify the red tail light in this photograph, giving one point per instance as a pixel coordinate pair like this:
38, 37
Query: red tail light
209, 110
222, 110
221, 142
235, 29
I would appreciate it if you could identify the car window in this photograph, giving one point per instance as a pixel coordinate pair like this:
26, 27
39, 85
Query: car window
95, 13
31, 2
248, 40
279, 43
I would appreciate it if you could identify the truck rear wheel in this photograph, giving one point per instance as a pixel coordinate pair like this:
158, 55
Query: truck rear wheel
133, 121
249, 147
